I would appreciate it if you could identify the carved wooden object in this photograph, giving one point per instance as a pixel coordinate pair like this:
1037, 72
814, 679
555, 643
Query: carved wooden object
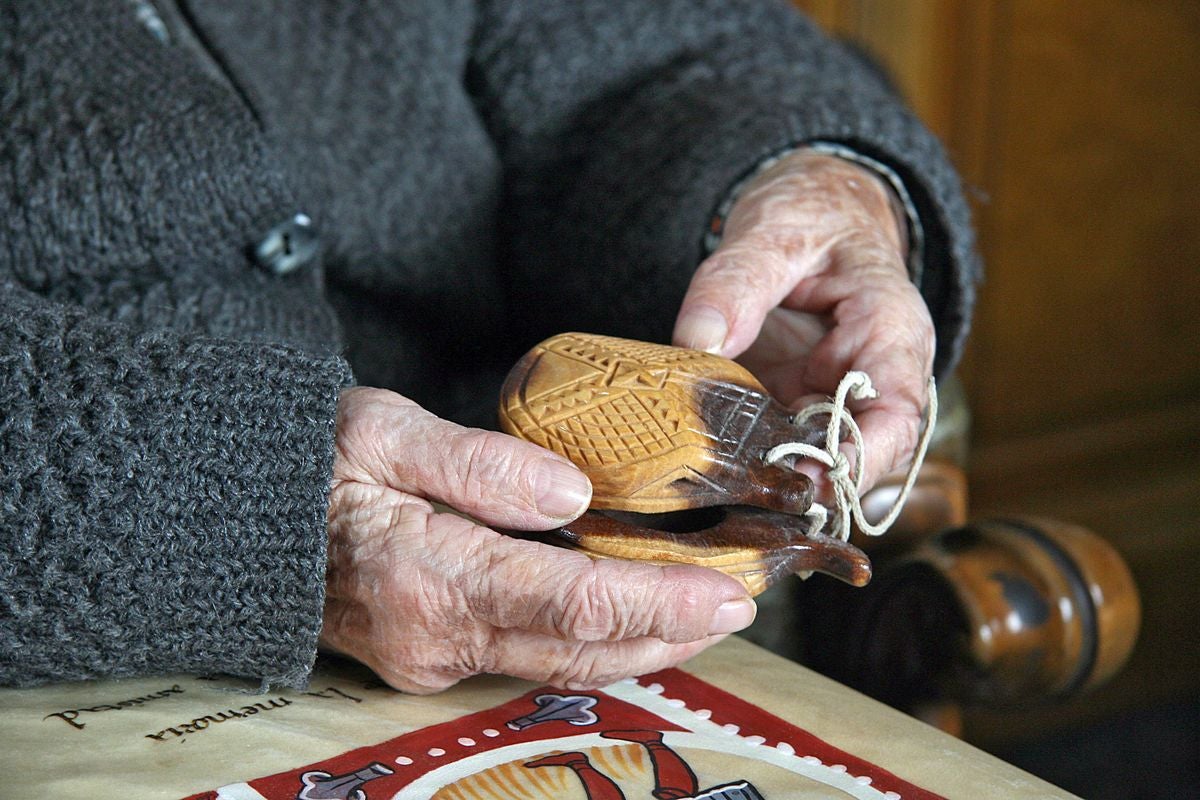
661, 432
757, 547
655, 428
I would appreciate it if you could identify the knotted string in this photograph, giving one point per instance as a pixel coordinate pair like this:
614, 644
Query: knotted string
847, 479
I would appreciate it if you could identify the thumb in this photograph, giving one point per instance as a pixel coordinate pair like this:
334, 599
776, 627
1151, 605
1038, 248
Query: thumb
729, 297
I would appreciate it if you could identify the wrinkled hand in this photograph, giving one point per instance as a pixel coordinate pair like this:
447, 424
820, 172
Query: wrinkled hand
427, 598
810, 282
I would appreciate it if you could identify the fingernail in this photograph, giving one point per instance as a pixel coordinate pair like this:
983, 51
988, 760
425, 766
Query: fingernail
703, 328
733, 616
563, 492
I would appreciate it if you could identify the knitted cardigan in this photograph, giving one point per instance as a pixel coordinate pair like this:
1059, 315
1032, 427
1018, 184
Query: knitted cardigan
481, 174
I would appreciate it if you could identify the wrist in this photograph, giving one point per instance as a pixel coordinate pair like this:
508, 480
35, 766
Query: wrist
842, 192
904, 210
839, 178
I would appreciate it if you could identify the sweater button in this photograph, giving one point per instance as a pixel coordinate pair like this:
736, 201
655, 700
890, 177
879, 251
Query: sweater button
288, 246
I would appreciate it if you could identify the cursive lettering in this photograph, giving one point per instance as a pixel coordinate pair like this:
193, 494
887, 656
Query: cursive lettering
71, 715
328, 691
179, 730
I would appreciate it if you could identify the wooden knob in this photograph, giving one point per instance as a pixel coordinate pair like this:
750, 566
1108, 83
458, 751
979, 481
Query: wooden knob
999, 612
1051, 609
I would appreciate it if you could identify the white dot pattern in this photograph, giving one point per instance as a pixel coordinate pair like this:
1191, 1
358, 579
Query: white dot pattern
729, 729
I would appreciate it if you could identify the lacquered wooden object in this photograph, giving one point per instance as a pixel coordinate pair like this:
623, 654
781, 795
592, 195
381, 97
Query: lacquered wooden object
757, 547
664, 433
1051, 608
999, 613
655, 428
936, 502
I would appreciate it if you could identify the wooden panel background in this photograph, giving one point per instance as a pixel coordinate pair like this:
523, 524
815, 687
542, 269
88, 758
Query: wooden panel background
1075, 124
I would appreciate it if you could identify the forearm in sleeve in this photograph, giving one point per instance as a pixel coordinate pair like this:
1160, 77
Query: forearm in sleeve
163, 498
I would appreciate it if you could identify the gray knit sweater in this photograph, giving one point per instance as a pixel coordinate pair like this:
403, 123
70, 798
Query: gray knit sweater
481, 174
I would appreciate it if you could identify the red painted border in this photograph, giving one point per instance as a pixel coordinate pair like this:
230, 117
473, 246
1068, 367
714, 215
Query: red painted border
615, 714
751, 720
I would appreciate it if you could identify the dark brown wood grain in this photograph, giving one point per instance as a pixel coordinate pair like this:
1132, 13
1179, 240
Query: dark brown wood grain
1000, 612
754, 546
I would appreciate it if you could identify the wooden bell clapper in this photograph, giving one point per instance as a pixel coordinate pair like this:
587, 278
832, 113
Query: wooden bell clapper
691, 460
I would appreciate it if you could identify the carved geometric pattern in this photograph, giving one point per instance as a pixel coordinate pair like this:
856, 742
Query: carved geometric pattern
626, 412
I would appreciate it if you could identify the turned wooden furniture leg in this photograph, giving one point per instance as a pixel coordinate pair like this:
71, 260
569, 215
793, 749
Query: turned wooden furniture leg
997, 613
937, 502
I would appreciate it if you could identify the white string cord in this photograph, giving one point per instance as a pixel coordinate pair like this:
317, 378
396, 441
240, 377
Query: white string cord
847, 480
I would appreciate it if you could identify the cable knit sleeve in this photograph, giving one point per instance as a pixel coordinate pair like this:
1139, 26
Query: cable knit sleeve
162, 499
166, 406
623, 123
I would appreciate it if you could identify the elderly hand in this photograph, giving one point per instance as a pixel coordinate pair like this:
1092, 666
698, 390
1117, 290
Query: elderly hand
427, 598
810, 282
